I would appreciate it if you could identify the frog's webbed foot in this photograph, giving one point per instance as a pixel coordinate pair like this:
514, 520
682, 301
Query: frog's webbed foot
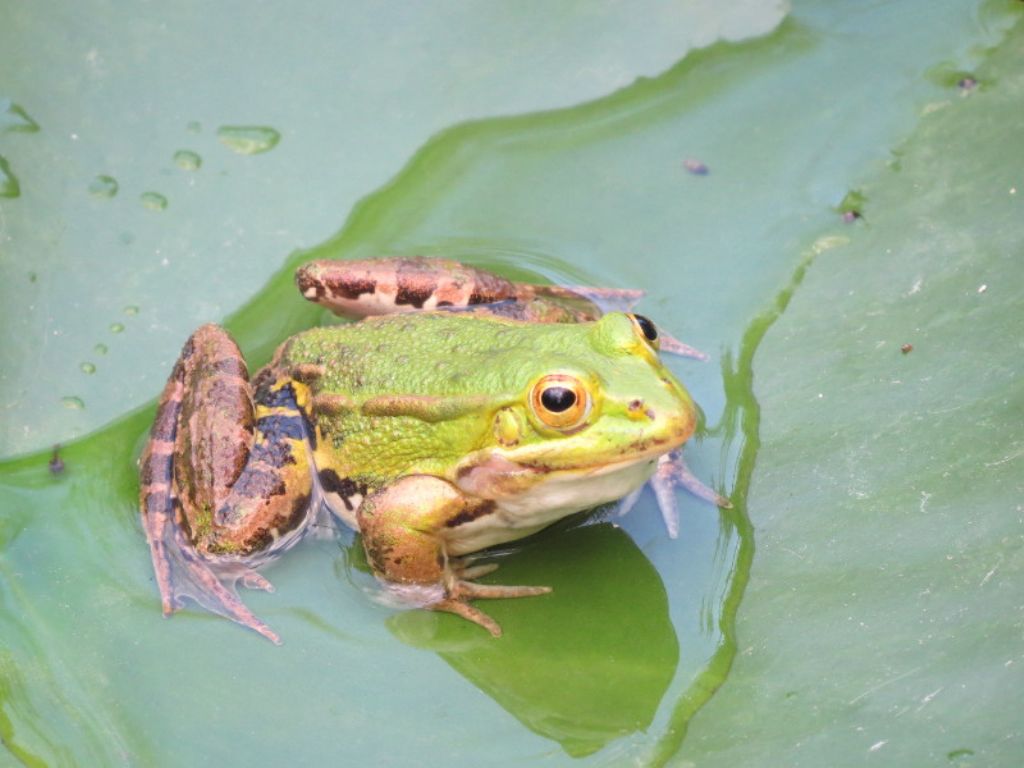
210, 584
674, 346
606, 299
459, 592
673, 473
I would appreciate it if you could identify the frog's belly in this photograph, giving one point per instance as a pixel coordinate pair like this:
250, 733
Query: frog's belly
551, 499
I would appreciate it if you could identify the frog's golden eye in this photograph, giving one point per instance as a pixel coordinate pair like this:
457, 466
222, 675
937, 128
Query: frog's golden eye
646, 328
560, 401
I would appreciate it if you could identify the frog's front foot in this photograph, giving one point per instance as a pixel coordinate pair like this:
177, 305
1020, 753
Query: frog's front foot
460, 590
406, 529
672, 472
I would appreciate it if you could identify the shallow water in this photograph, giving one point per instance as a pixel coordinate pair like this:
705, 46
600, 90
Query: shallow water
640, 631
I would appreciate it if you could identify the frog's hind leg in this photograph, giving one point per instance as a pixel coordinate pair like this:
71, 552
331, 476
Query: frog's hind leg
156, 495
396, 284
179, 571
226, 485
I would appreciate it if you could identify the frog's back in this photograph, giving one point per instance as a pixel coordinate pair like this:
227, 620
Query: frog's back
432, 353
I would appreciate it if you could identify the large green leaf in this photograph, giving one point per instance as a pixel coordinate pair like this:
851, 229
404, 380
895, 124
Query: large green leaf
639, 633
883, 621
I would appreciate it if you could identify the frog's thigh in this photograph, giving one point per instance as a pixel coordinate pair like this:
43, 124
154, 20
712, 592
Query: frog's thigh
215, 422
402, 527
241, 473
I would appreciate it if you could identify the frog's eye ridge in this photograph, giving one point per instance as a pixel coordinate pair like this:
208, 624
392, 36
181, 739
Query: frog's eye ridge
561, 401
647, 328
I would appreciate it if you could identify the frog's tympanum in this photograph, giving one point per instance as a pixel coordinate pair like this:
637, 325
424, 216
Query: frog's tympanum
468, 412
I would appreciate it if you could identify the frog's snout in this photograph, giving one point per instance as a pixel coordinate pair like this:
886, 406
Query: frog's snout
674, 418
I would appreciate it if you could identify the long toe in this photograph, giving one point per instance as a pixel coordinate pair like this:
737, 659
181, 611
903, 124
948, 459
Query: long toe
468, 612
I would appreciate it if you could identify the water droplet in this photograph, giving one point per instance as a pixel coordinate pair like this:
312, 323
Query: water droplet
15, 119
187, 160
100, 349
87, 367
103, 186
248, 139
116, 327
9, 186
32, 277
131, 309
153, 200
194, 126
73, 403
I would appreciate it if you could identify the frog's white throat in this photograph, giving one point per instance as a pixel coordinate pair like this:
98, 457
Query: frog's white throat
527, 501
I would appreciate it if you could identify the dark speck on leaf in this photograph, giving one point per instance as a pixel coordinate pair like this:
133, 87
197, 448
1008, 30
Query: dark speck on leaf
56, 462
694, 166
906, 349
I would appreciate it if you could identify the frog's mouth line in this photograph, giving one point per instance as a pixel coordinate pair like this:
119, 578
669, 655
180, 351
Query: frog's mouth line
500, 475
648, 450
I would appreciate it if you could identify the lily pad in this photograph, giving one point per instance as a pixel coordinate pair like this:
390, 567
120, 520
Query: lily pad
883, 617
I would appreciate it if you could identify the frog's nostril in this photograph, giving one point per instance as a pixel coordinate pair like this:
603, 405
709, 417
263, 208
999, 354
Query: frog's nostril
637, 410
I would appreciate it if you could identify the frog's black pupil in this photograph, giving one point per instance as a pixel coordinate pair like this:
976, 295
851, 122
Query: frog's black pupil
558, 399
647, 327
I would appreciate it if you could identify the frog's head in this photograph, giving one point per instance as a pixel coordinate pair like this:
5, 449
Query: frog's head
597, 410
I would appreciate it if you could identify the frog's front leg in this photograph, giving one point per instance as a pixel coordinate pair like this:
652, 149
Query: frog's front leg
672, 473
403, 528
225, 483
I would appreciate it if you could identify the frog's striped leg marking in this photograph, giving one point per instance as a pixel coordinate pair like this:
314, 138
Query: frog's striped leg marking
155, 492
399, 284
403, 526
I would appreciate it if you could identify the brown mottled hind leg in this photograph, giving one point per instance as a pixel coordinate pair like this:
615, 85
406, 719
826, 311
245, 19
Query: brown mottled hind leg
396, 284
224, 485
403, 527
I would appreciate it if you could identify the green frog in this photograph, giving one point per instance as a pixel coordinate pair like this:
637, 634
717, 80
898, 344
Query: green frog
461, 412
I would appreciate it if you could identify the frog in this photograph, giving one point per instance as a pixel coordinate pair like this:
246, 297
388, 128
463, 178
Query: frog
459, 412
